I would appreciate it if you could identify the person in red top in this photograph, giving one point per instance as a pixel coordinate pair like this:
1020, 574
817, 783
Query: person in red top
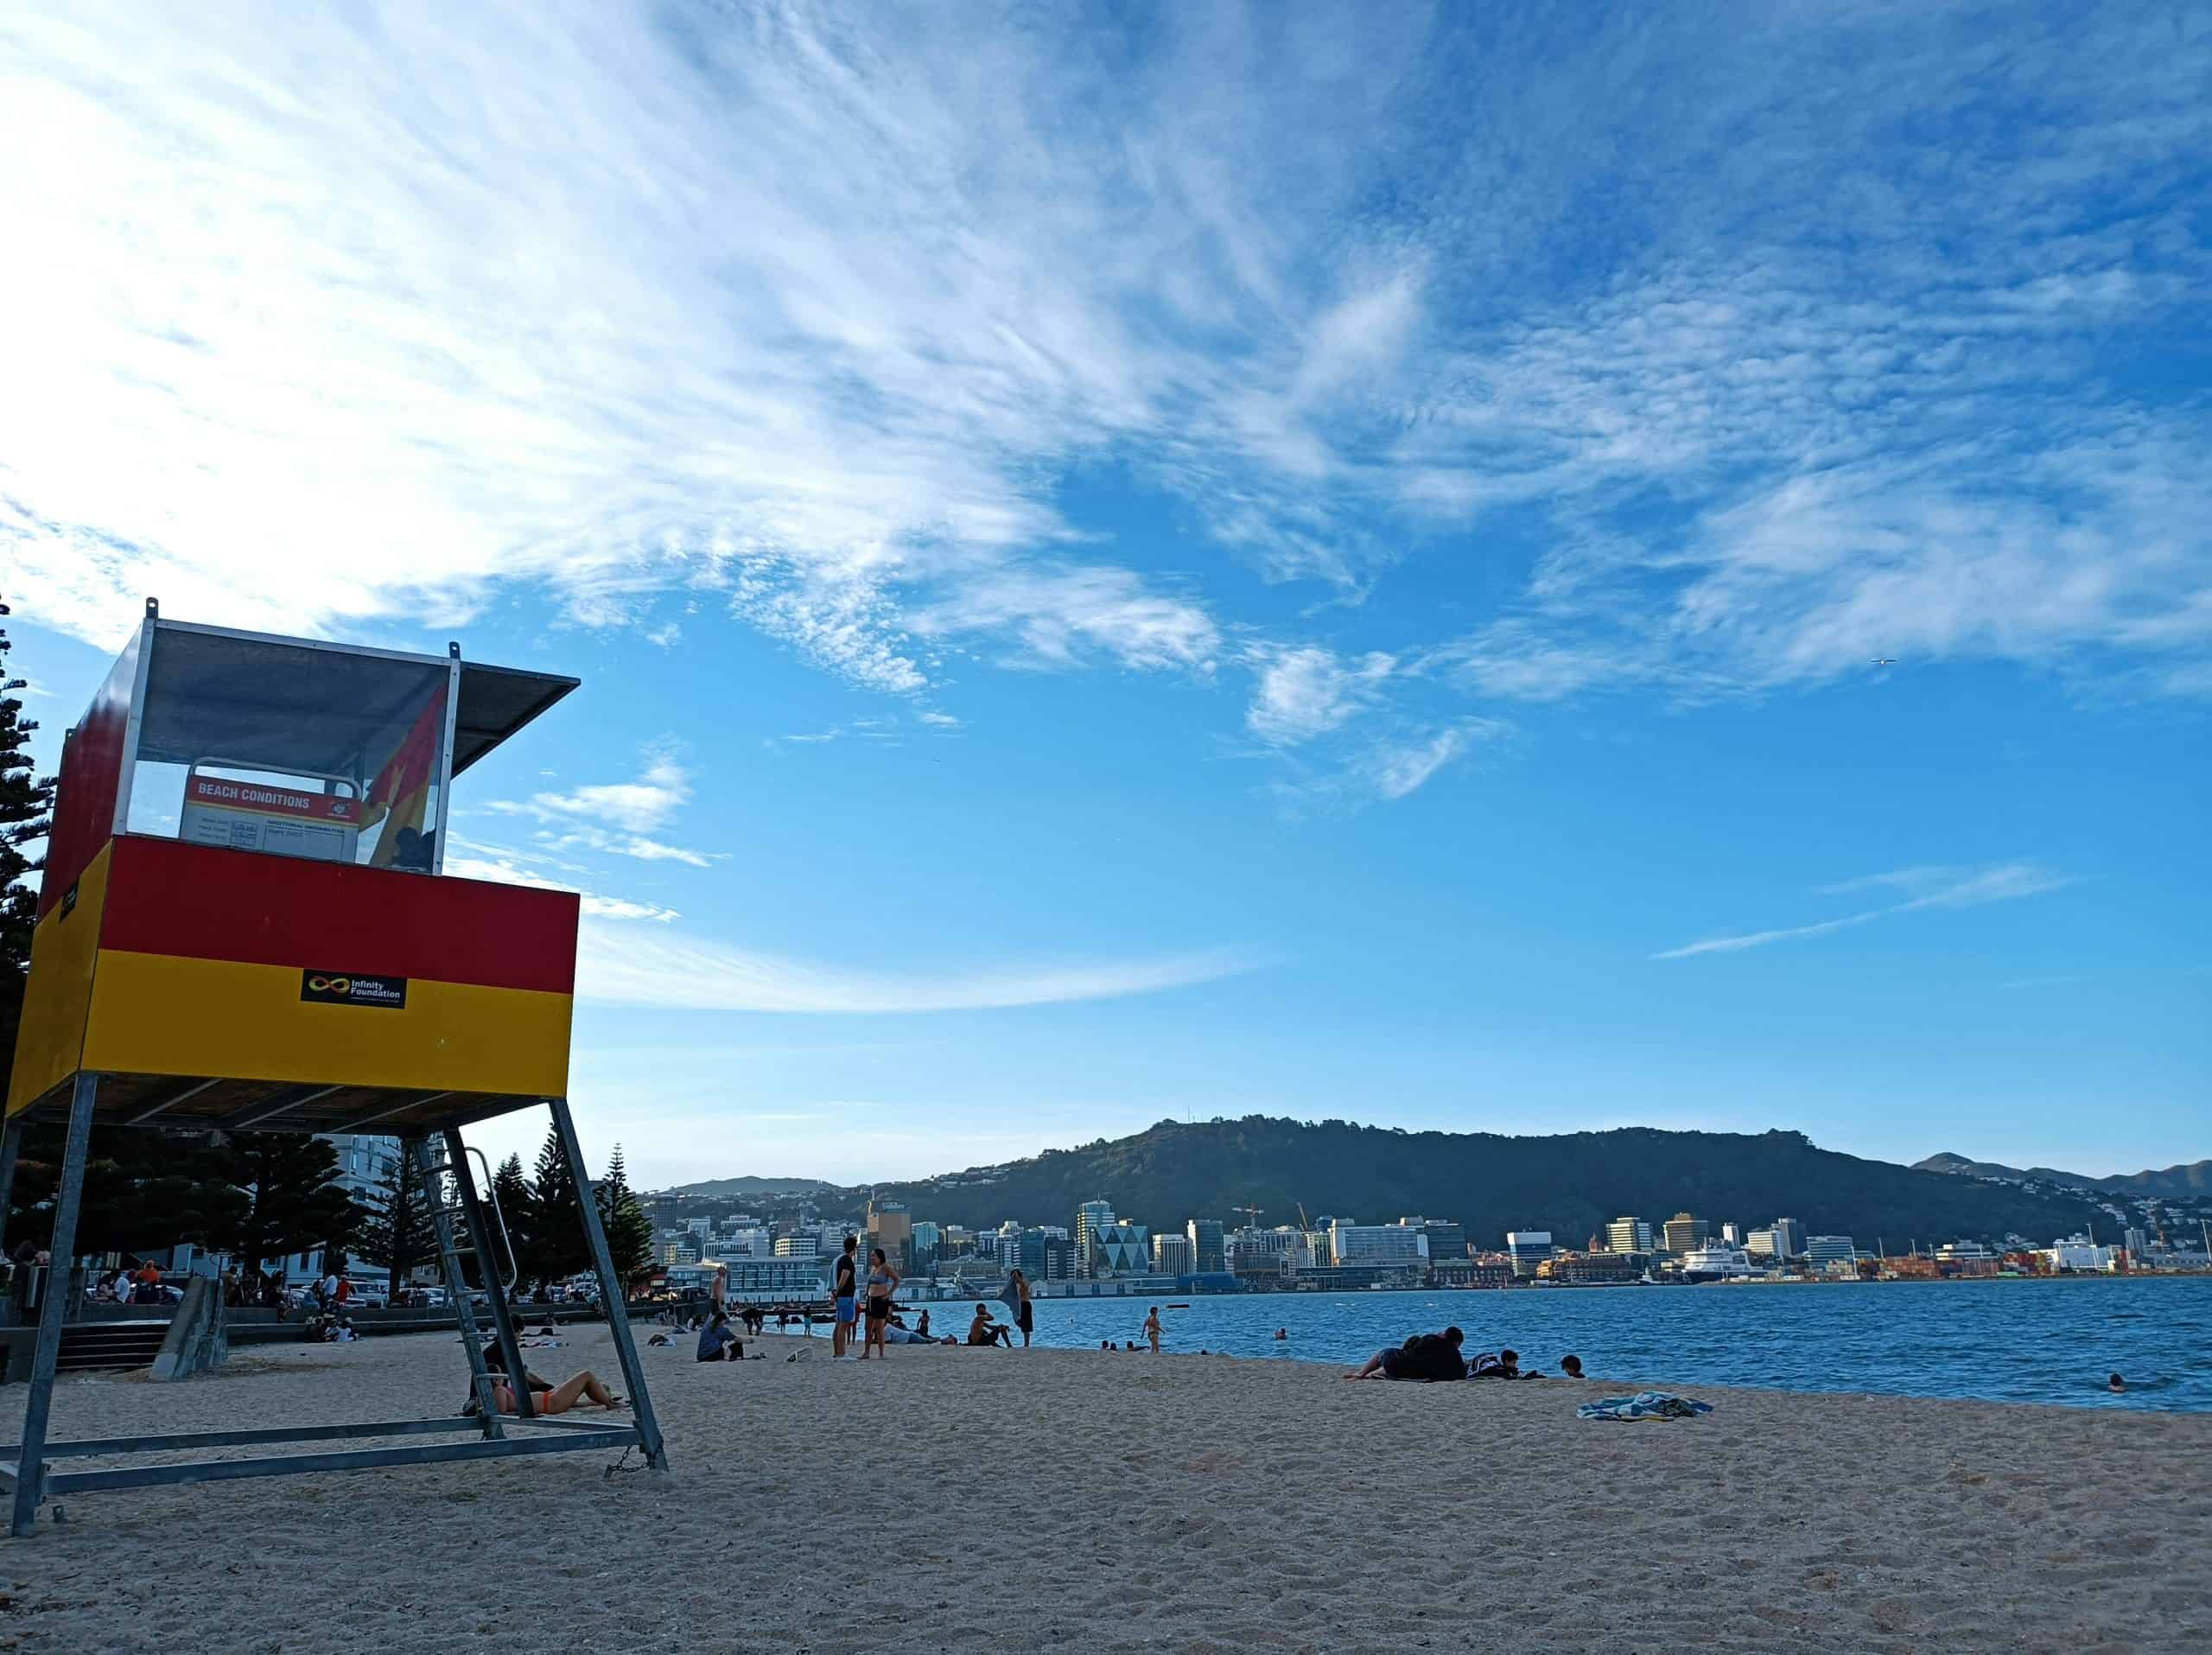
345, 1289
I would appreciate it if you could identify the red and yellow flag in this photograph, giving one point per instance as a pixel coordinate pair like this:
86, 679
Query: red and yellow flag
401, 792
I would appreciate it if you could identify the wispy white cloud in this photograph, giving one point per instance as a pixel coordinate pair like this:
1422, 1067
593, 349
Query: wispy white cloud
1928, 888
1304, 692
813, 314
507, 868
627, 966
1398, 768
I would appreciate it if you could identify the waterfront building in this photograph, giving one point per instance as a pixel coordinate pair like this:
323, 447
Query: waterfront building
1731, 1235
1788, 1238
1121, 1249
1447, 1241
1826, 1252
2137, 1243
1172, 1255
1686, 1234
2078, 1253
1374, 1244
1527, 1248
1626, 1235
1491, 1269
1760, 1243
752, 1278
1595, 1269
1278, 1249
1209, 1251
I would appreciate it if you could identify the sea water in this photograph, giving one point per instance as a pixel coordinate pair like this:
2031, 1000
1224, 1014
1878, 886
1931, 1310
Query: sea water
2055, 1340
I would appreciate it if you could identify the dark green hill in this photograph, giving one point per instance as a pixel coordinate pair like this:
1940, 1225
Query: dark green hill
1570, 1184
2190, 1181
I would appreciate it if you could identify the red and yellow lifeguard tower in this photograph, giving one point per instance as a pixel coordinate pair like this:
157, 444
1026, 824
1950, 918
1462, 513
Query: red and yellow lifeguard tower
244, 926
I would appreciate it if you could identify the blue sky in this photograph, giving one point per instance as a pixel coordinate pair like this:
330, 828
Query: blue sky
1190, 560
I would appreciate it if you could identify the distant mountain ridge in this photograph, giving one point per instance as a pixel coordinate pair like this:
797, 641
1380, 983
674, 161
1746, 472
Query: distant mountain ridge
2191, 1180
1570, 1184
725, 1189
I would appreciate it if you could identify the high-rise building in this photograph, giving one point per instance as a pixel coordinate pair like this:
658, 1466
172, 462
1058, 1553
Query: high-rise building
1731, 1235
801, 1241
1760, 1243
929, 1242
1528, 1248
892, 1228
2138, 1244
1628, 1236
1208, 1254
1788, 1238
1089, 1217
1686, 1234
1172, 1254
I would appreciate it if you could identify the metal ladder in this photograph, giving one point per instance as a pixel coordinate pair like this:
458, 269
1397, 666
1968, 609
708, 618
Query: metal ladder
450, 1192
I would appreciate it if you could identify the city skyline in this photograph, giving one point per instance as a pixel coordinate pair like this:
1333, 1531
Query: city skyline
1465, 570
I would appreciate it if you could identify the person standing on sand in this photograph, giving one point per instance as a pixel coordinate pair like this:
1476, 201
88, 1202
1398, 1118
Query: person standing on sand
1017, 1300
718, 1294
1152, 1328
842, 1292
882, 1282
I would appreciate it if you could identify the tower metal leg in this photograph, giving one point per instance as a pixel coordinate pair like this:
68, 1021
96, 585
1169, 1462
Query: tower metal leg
457, 1287
30, 1466
11, 1139
503, 1321
610, 1290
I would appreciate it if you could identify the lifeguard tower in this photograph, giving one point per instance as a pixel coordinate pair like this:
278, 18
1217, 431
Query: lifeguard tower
244, 926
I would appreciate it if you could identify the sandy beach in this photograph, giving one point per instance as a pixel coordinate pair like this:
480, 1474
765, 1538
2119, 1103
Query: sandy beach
958, 1500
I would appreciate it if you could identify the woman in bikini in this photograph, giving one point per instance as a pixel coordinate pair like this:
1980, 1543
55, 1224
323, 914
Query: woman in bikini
546, 1398
882, 1282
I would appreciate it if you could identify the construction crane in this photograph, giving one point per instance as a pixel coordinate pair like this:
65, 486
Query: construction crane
1252, 1215
1304, 1223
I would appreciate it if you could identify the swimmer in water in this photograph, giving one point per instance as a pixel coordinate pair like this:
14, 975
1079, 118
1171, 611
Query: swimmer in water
1282, 1332
2115, 1384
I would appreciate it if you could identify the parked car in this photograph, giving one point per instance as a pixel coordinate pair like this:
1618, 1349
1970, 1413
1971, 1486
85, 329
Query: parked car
368, 1295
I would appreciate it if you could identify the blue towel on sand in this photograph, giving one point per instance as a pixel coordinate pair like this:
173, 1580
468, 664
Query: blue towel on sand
1645, 1404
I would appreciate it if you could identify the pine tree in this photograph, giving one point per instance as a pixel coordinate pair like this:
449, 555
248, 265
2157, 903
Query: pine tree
26, 800
297, 1204
557, 1248
629, 1231
395, 1230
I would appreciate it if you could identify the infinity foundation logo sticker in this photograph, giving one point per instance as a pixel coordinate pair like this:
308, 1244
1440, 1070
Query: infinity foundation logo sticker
352, 988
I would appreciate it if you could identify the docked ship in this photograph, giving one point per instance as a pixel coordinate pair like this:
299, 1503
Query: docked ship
1716, 1264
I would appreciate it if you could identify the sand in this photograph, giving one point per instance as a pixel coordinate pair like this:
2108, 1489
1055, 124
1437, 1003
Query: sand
957, 1500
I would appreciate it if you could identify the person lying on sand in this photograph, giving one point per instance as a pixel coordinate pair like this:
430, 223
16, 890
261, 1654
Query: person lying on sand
1424, 1356
546, 1398
1506, 1365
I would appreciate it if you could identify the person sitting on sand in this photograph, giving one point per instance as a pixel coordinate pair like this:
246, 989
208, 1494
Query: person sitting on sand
1424, 1356
719, 1342
984, 1331
1570, 1368
546, 1398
